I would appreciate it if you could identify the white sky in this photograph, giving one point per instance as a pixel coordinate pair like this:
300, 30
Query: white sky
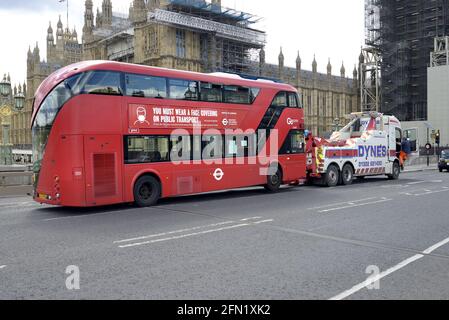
328, 28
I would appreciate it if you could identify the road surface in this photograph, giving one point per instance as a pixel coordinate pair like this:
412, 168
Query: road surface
302, 243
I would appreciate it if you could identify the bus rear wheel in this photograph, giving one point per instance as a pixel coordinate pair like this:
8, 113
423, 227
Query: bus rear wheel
147, 191
274, 180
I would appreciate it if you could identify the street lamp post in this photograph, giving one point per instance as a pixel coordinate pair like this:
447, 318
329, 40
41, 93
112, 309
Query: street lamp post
19, 101
6, 103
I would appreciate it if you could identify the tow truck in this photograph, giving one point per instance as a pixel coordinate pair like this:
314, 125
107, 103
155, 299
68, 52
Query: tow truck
369, 145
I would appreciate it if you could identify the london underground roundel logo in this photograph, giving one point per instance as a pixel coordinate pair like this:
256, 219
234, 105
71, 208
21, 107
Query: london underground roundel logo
218, 174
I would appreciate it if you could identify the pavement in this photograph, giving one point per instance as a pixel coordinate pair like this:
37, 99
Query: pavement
375, 239
424, 167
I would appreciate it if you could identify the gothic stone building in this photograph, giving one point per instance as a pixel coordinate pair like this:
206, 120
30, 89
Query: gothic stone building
62, 50
192, 35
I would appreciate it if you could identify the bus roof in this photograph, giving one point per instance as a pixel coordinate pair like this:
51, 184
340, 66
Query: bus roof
51, 81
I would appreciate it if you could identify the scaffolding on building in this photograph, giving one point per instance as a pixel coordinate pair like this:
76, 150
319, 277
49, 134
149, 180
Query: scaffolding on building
371, 60
370, 89
403, 31
440, 54
227, 41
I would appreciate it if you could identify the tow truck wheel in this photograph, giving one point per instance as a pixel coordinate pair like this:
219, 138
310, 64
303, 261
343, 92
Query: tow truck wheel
332, 176
147, 191
396, 171
274, 180
347, 175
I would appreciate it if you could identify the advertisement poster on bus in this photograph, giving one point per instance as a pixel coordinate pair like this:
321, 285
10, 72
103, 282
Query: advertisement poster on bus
143, 116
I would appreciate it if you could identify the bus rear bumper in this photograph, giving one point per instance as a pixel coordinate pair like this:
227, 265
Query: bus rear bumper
45, 198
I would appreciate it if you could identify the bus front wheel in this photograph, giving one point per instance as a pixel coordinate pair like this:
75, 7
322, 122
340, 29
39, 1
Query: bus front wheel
147, 191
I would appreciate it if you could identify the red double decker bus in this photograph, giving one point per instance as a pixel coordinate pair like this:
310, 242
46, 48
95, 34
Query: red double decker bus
107, 133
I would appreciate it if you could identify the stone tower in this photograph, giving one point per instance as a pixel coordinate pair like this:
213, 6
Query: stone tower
139, 11
50, 40
298, 70
281, 64
88, 20
106, 13
343, 70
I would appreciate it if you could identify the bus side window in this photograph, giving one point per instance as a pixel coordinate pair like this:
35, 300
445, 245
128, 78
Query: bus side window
240, 146
280, 100
294, 144
211, 92
293, 100
146, 149
253, 94
183, 89
181, 148
145, 86
236, 94
102, 82
212, 147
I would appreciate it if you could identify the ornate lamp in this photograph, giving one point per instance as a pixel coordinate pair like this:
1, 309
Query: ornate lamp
19, 101
5, 87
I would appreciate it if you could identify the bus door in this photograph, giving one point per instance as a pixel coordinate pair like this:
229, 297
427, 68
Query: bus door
292, 156
103, 162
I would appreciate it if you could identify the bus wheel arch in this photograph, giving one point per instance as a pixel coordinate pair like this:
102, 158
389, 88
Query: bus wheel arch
147, 189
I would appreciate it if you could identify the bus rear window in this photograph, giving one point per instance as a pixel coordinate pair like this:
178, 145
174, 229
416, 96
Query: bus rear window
102, 82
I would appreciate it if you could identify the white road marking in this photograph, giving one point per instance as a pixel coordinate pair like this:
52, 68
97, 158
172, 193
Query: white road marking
425, 192
253, 218
263, 221
415, 183
184, 230
386, 273
355, 205
241, 225
81, 216
2, 267
410, 184
339, 203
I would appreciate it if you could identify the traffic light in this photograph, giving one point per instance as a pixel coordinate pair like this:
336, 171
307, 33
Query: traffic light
437, 137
